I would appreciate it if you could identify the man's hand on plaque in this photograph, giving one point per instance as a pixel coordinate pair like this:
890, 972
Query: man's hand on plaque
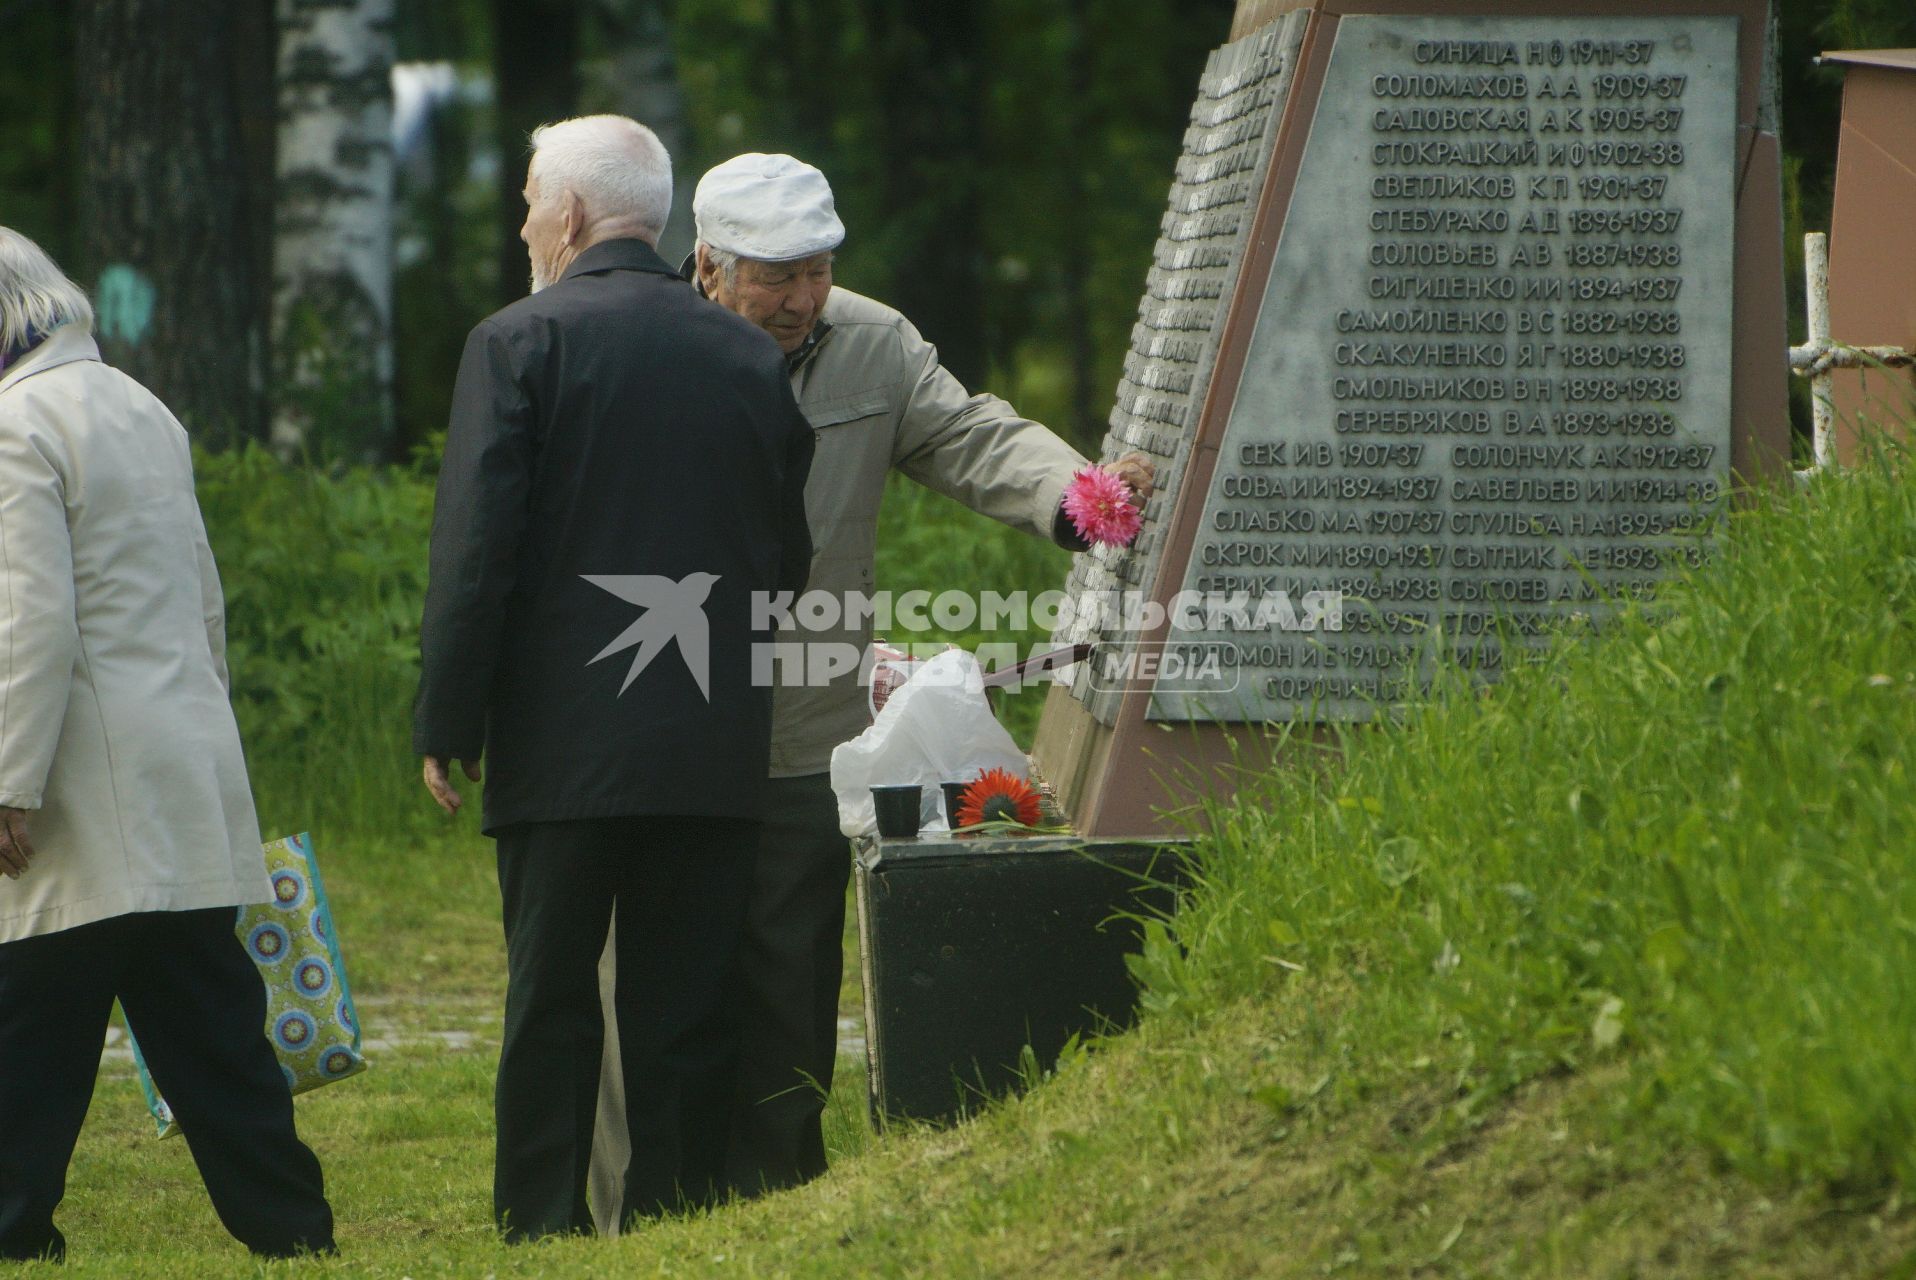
1137, 471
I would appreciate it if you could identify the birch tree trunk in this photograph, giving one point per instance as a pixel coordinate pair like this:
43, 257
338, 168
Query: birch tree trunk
332, 253
174, 201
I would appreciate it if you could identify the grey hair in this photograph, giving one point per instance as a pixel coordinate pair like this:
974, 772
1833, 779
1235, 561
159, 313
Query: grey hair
724, 259
35, 295
727, 261
616, 166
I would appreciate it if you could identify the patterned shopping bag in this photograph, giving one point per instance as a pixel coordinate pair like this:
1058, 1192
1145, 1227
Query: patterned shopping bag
310, 1018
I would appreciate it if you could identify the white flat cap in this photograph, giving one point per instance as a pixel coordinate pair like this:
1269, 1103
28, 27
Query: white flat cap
770, 208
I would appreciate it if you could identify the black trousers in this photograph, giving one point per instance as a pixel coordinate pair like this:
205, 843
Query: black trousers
679, 885
198, 1006
791, 965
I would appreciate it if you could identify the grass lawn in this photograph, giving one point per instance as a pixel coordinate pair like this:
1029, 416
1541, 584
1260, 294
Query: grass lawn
1609, 971
406, 1146
1151, 1157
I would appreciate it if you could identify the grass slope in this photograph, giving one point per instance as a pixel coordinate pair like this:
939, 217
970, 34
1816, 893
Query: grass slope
1688, 841
1604, 972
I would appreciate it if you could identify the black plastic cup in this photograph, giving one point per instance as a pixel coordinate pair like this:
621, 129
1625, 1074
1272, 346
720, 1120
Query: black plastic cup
898, 809
954, 793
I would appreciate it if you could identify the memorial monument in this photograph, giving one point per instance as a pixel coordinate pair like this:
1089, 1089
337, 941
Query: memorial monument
1462, 318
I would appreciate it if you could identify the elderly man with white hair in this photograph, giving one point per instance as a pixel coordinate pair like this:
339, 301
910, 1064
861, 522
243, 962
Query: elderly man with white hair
624, 473
127, 830
877, 399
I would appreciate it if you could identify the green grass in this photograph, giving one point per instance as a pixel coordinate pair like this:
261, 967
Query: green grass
1604, 972
1688, 843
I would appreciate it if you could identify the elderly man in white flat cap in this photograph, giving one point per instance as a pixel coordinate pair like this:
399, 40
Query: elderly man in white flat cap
877, 399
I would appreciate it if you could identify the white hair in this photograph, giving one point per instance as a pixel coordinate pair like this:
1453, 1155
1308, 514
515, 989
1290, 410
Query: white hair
616, 166
35, 295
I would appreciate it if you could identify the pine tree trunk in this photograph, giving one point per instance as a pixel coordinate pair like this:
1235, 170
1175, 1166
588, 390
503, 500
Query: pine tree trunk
332, 256
1078, 239
535, 70
803, 58
173, 211
638, 77
931, 100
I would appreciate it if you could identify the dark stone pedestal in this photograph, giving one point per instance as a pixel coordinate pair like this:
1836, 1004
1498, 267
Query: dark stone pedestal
974, 948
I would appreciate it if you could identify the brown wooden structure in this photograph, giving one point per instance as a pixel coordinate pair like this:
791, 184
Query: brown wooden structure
1872, 262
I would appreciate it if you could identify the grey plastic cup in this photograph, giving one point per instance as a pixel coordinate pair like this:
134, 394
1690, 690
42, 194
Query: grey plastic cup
898, 809
954, 793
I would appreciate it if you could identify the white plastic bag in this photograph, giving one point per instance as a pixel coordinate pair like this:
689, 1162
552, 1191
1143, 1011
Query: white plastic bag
891, 669
937, 727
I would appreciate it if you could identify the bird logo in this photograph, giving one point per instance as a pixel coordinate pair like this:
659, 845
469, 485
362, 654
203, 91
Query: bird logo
673, 611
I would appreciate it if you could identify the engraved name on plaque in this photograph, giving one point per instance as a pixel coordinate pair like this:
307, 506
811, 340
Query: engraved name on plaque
1489, 383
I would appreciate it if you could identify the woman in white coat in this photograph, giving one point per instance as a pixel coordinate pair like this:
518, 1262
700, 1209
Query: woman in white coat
127, 830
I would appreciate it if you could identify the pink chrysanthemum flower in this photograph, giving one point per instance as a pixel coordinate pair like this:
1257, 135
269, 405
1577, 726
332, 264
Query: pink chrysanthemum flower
1099, 504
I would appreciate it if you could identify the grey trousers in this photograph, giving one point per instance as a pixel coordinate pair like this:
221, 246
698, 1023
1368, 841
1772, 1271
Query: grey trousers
791, 960
611, 1147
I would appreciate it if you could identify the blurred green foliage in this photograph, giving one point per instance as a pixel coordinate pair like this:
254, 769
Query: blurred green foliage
37, 162
1014, 221
324, 573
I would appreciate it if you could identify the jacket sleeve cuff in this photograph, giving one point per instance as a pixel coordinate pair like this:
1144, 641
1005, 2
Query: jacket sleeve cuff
1066, 534
21, 799
443, 748
1049, 510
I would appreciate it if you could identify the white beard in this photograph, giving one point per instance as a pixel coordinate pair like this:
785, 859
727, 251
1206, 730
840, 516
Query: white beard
544, 273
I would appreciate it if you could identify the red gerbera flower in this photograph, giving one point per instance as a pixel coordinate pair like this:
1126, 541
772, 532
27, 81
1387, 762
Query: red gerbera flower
1099, 504
998, 796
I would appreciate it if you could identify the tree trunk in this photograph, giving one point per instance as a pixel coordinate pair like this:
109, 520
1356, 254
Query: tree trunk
535, 73
931, 103
332, 255
638, 77
803, 58
1076, 255
172, 211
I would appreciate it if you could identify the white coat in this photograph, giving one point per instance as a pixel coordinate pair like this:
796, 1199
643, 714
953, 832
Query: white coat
114, 721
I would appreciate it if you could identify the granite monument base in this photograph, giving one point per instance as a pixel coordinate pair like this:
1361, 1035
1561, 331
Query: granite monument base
984, 956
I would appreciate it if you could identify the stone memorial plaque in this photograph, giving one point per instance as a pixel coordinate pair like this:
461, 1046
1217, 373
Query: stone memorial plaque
1174, 343
1489, 383
1457, 324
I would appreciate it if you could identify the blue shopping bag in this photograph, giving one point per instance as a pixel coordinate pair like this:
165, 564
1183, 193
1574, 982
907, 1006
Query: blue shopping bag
310, 1018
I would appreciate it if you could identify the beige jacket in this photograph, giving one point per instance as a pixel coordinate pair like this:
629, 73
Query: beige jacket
114, 719
877, 398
